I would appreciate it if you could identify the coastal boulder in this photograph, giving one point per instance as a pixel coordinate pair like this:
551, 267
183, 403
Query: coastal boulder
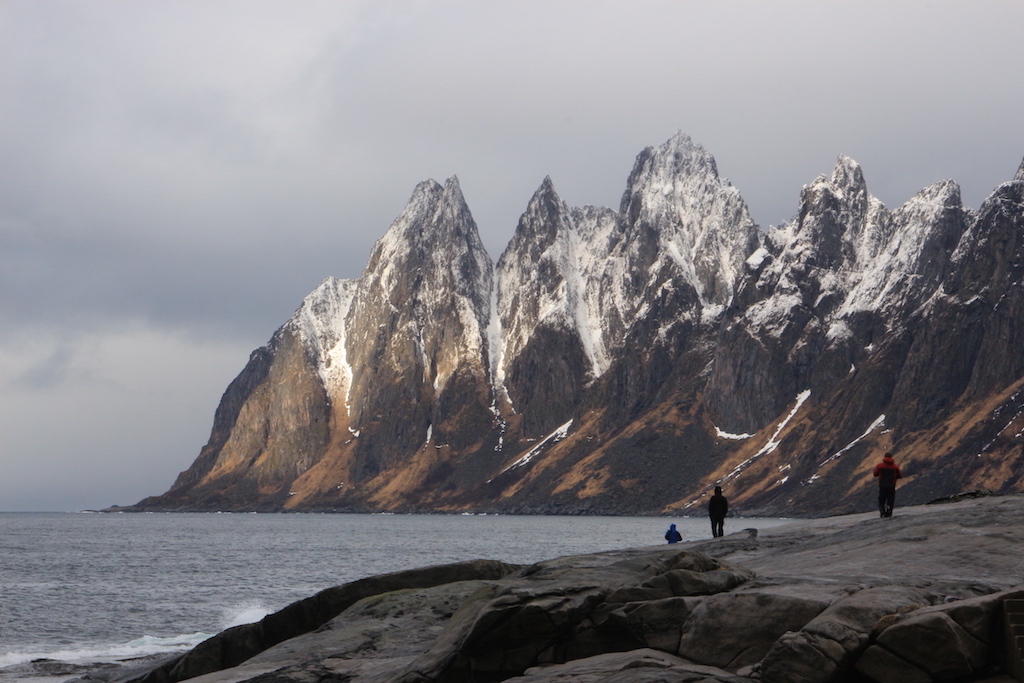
954, 640
235, 645
553, 612
373, 640
658, 623
828, 642
980, 616
733, 630
935, 644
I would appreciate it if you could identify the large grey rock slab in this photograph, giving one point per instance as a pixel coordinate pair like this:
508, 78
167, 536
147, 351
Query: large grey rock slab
236, 645
957, 640
552, 612
973, 546
935, 644
828, 643
733, 630
374, 639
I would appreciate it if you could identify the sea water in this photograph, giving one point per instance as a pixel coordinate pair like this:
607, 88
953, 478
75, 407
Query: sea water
86, 588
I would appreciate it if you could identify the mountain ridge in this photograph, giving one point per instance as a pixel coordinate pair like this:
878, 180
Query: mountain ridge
627, 361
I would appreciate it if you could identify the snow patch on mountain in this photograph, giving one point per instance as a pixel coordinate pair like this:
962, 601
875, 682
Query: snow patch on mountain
320, 321
553, 437
733, 437
496, 350
773, 441
549, 276
757, 259
879, 421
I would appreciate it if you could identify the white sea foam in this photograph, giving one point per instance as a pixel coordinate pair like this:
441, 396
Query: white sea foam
245, 613
146, 645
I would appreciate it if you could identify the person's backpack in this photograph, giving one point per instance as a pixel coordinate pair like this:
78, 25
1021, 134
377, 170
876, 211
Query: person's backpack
887, 477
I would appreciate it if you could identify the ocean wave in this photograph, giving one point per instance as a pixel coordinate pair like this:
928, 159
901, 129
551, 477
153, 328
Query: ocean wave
244, 613
140, 647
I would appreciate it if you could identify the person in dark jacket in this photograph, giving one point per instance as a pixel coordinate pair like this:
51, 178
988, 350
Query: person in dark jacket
673, 535
718, 508
887, 472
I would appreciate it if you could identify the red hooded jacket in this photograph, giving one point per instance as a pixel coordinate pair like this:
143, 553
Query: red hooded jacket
887, 471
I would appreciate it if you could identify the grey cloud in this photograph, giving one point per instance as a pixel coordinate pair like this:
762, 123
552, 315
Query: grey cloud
49, 372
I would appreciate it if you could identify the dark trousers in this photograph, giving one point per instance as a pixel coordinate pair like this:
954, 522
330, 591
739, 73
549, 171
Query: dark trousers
886, 500
717, 526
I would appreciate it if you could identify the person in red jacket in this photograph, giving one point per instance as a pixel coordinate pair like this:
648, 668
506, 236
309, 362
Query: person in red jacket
887, 472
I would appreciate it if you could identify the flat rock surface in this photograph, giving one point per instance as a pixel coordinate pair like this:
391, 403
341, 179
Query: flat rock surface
979, 540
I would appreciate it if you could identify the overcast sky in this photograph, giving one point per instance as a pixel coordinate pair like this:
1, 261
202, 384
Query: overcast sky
175, 175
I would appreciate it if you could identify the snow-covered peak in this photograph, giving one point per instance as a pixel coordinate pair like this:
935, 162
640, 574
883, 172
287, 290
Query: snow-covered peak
546, 216
680, 215
424, 217
423, 301
676, 251
840, 226
987, 258
927, 204
434, 233
678, 157
847, 176
544, 278
669, 171
321, 316
455, 207
846, 253
1019, 178
911, 263
845, 183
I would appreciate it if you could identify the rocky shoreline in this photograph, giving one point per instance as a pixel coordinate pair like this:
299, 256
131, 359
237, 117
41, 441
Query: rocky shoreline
914, 598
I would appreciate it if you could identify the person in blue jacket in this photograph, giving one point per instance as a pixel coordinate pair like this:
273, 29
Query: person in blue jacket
673, 535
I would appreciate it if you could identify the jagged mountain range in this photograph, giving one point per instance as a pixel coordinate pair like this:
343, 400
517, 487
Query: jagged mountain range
628, 361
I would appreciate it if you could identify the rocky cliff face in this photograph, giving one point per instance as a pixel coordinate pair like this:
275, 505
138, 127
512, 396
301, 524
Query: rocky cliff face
628, 361
550, 345
822, 288
417, 333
